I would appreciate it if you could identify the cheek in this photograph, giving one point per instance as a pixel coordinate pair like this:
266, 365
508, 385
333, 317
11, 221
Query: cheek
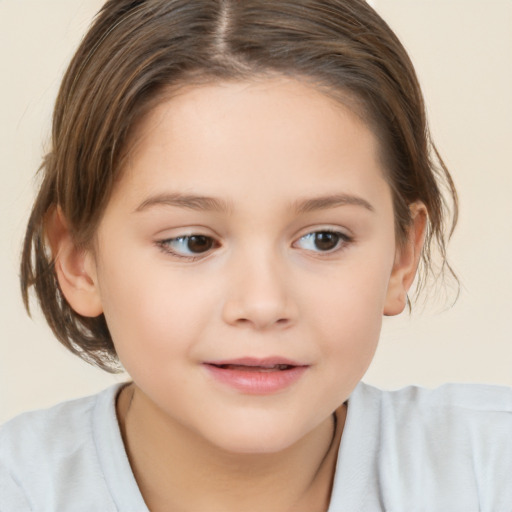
152, 310
350, 326
354, 293
347, 315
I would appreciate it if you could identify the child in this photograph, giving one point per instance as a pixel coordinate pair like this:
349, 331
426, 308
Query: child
237, 192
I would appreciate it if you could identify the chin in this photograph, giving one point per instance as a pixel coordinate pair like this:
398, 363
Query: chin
254, 441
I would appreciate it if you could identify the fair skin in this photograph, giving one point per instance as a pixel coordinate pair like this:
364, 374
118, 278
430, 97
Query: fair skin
294, 260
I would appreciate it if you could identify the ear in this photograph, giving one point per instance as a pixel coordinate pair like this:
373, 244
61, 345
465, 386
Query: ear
75, 267
406, 262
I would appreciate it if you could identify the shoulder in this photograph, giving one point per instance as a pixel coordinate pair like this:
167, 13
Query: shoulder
448, 448
62, 421
472, 396
459, 419
446, 408
469, 397
44, 454
52, 432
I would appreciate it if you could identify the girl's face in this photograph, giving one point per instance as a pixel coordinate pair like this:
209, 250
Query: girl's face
246, 258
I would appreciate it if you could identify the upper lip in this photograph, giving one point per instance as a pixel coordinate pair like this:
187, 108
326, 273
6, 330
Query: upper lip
266, 362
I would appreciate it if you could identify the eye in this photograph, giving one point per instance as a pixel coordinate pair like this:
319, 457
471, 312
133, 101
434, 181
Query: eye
323, 241
188, 246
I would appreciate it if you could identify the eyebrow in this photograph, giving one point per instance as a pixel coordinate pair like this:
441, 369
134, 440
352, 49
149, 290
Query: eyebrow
205, 203
331, 201
201, 203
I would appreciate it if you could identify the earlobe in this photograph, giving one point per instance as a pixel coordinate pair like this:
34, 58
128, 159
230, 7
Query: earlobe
406, 262
74, 266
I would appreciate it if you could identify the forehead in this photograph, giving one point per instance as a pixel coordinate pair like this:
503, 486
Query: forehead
268, 136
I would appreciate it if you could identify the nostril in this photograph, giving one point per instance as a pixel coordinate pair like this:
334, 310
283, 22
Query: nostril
262, 323
258, 313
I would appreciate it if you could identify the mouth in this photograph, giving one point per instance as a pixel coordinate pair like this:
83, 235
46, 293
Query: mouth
254, 368
257, 376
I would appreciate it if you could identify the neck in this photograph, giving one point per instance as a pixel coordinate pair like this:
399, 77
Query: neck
178, 470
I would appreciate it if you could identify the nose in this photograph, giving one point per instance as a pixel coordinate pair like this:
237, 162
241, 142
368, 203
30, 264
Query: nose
259, 295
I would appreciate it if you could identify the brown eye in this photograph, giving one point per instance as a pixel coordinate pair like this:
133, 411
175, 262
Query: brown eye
323, 241
188, 246
326, 241
199, 243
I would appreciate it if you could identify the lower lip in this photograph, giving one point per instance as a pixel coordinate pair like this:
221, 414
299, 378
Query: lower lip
257, 382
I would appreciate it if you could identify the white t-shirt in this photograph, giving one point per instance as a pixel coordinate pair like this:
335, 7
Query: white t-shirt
412, 450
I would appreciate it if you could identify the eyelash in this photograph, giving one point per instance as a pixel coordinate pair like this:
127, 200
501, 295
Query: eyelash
343, 240
165, 246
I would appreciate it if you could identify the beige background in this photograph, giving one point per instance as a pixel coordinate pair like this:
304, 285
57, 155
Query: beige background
463, 54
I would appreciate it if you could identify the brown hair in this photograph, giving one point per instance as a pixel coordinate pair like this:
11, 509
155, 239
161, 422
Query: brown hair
136, 50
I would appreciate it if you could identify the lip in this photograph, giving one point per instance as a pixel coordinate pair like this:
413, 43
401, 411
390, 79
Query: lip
256, 376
